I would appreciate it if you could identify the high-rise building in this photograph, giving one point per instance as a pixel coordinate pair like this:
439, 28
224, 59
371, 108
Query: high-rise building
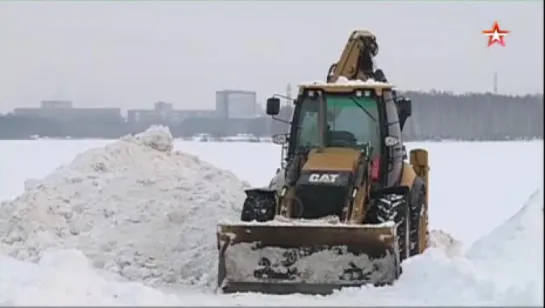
236, 104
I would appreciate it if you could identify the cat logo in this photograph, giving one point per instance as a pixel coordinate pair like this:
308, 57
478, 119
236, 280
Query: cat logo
323, 178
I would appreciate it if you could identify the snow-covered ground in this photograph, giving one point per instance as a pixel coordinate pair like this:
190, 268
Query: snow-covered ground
132, 223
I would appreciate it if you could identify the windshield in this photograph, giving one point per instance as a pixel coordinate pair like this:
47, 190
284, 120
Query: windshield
351, 122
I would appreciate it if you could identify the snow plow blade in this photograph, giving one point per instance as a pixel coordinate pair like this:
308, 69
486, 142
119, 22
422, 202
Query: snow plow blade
315, 259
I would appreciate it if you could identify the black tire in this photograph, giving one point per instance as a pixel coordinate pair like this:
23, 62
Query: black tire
395, 208
417, 208
259, 207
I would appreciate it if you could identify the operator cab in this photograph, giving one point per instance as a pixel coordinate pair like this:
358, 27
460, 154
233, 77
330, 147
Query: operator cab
349, 115
350, 118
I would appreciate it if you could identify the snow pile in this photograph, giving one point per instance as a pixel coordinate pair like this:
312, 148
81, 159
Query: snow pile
444, 241
65, 278
134, 207
31, 183
513, 253
137, 209
504, 268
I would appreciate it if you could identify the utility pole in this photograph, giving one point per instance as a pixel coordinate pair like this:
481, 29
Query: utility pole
288, 93
495, 83
288, 107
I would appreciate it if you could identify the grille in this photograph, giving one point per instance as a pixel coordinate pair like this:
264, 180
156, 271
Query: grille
319, 201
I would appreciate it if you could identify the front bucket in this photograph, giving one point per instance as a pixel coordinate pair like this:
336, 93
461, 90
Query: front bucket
311, 258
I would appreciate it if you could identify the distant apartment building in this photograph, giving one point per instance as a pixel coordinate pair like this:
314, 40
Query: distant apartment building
53, 104
236, 104
64, 111
164, 112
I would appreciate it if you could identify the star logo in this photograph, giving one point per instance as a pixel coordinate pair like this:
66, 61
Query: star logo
495, 35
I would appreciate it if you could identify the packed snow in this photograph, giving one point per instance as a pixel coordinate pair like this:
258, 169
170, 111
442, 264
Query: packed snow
134, 207
319, 267
132, 222
513, 252
343, 81
328, 221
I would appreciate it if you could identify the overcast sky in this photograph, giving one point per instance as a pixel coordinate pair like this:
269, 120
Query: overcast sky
133, 54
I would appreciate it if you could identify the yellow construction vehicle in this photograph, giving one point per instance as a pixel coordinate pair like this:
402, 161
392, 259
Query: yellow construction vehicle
346, 208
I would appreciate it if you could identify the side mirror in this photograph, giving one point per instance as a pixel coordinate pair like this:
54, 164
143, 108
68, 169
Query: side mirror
280, 139
273, 106
405, 106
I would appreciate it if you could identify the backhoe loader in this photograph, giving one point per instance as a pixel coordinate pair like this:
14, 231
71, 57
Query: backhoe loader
346, 207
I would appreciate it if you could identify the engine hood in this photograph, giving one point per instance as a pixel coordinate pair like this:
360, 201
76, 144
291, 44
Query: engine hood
331, 167
332, 159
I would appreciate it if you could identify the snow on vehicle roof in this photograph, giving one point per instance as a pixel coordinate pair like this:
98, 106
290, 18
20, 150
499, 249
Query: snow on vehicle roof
343, 81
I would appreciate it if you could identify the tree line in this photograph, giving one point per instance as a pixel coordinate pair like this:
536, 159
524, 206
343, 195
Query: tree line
436, 116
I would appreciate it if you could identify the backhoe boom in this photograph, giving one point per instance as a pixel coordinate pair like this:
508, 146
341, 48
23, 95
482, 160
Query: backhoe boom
357, 59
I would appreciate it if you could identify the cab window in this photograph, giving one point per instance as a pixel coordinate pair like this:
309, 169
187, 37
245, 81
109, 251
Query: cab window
351, 122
